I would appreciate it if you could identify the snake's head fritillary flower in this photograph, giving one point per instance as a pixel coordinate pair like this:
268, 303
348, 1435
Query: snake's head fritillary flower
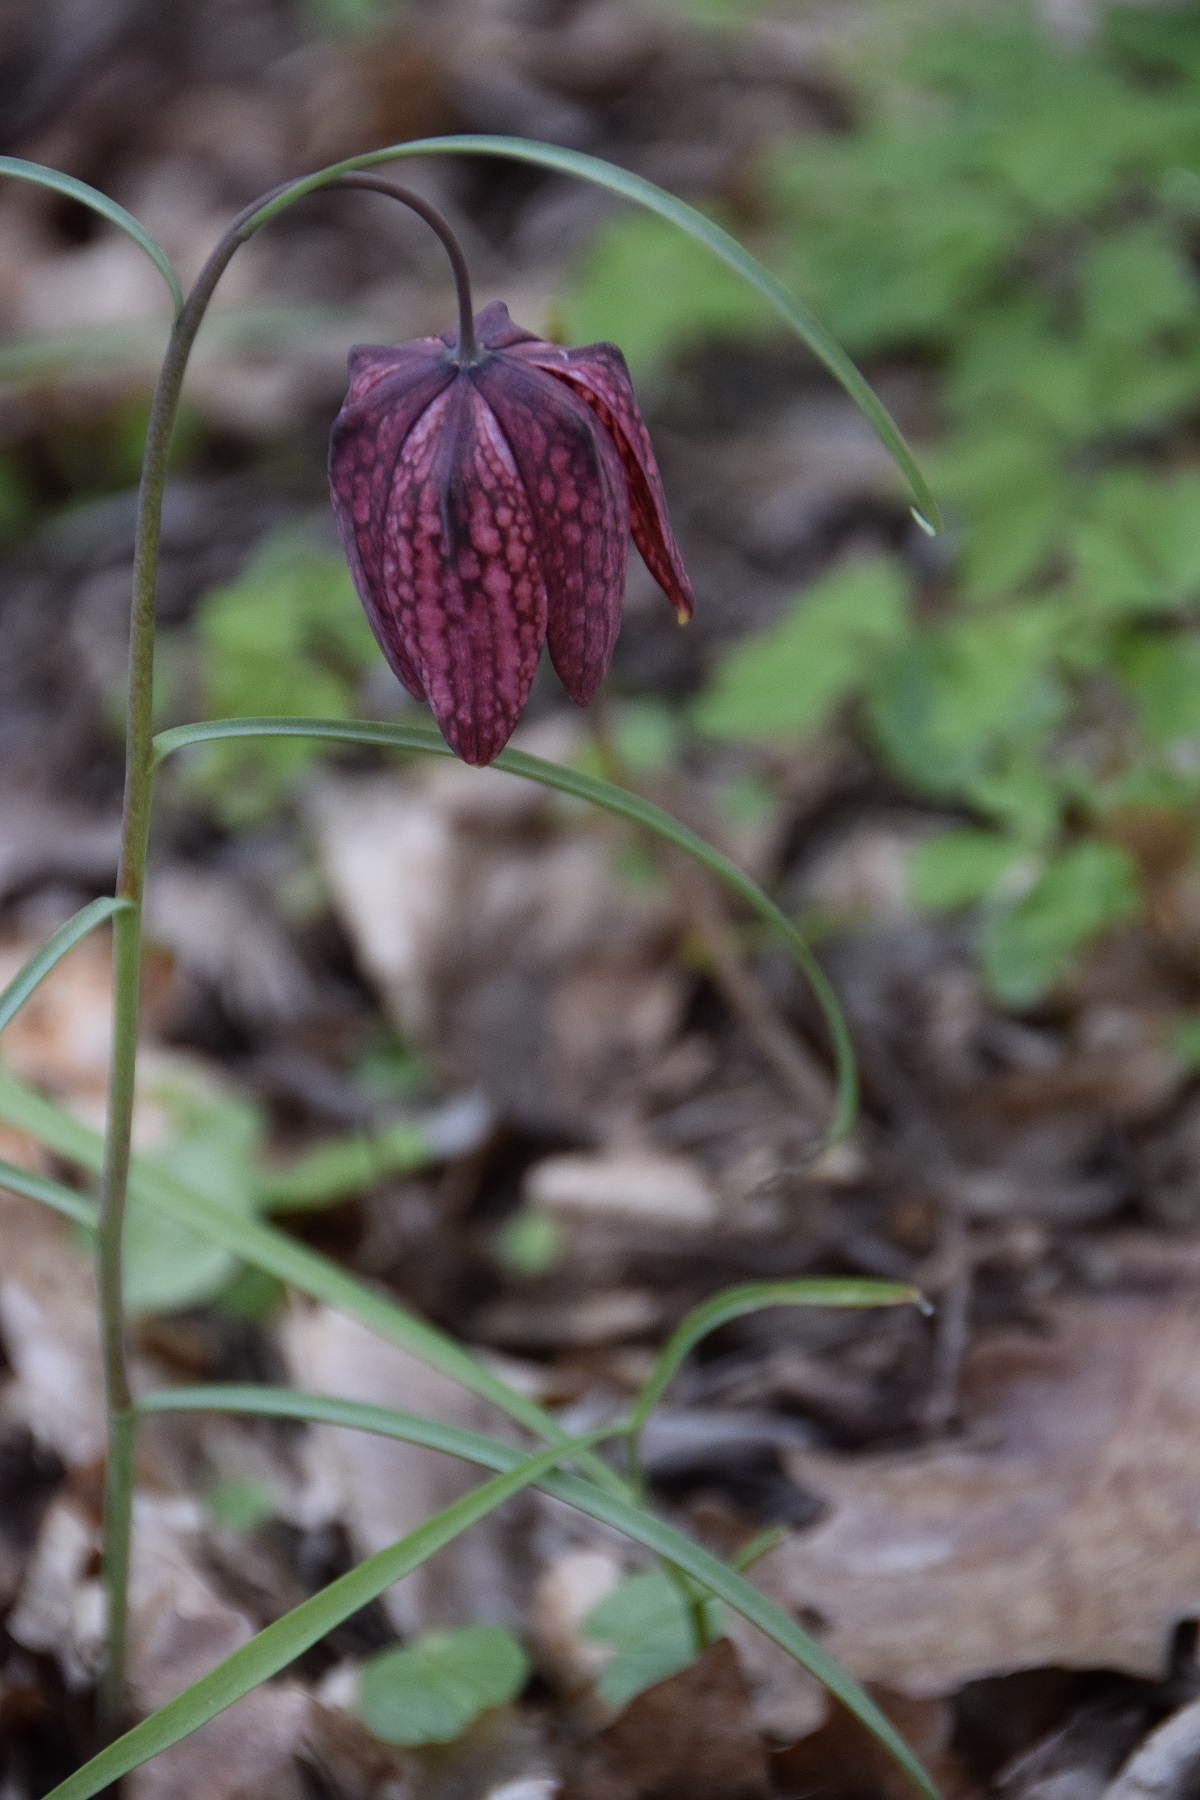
485, 507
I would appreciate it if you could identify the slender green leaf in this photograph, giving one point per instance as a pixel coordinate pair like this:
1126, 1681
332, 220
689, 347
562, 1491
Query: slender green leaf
21, 170
265, 1248
750, 1297
340, 1168
283, 1641
608, 1506
760, 1545
634, 187
77, 1207
52, 951
582, 787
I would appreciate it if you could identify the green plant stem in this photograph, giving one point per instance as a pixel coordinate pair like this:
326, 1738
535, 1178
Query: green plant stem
127, 955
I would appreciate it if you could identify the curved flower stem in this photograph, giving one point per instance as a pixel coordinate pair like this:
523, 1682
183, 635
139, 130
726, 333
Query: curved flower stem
127, 923
466, 350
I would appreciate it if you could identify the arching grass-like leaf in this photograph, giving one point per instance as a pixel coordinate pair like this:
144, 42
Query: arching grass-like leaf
283, 1641
91, 197
597, 792
755, 1296
61, 1199
705, 231
52, 951
263, 1247
751, 1297
608, 1506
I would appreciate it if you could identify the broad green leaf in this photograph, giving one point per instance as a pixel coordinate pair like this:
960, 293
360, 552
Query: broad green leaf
211, 1152
1165, 37
1045, 146
947, 701
957, 868
649, 1623
430, 1692
1136, 281
1163, 675
1017, 790
242, 1505
788, 680
644, 286
529, 1242
891, 261
1015, 493
97, 202
1027, 946
1138, 547
646, 734
288, 637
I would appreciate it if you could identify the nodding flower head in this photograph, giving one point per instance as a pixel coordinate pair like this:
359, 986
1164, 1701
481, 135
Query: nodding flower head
485, 505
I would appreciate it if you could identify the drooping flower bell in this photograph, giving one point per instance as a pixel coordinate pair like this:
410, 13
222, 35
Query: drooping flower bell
485, 497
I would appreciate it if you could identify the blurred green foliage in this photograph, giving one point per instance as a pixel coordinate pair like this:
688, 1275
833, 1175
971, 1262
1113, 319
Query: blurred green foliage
647, 287
215, 1146
1020, 218
429, 1692
649, 1620
288, 638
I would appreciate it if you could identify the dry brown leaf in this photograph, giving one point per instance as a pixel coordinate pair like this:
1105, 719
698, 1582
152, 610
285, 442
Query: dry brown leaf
1061, 1532
49, 1333
521, 958
636, 1186
841, 1757
690, 1737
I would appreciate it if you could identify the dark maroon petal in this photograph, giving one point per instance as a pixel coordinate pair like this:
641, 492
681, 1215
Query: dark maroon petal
463, 591
599, 375
389, 391
369, 364
576, 491
496, 331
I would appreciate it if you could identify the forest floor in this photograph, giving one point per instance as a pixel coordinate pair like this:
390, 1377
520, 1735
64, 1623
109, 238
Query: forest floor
611, 1086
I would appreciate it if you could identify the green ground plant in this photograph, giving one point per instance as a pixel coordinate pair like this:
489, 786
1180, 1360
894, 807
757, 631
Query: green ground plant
1021, 219
208, 1186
